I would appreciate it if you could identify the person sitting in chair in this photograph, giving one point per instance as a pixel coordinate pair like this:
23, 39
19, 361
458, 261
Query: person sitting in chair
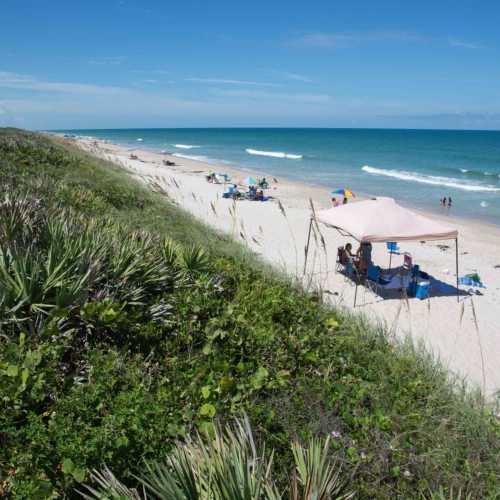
345, 255
348, 251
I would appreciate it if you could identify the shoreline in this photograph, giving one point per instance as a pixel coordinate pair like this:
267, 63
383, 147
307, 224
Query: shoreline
464, 335
221, 164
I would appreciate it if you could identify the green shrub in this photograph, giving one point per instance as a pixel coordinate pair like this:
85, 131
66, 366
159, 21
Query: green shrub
125, 326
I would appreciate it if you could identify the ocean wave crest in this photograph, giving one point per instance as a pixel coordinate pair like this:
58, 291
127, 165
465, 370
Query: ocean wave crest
273, 154
185, 146
429, 179
191, 157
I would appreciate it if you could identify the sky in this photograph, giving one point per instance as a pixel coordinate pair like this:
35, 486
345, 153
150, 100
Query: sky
273, 63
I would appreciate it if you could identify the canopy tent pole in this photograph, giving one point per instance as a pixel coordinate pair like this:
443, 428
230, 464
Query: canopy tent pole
390, 258
456, 262
306, 250
355, 292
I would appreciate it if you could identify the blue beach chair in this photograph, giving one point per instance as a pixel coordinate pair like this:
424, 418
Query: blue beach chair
393, 248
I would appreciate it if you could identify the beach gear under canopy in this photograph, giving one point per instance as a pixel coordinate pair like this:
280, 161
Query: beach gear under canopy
382, 220
347, 193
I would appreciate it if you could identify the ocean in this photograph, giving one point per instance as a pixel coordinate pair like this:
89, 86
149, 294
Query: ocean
416, 167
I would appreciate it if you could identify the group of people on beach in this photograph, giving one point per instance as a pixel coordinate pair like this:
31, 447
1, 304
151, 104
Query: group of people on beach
445, 201
255, 191
337, 203
361, 259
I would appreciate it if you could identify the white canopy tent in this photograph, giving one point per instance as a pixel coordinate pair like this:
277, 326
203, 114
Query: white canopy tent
381, 220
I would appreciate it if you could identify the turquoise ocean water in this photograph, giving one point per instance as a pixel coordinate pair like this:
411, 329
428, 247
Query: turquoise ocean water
416, 167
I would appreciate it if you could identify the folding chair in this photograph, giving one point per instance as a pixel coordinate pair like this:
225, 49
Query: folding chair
373, 279
393, 248
341, 261
407, 261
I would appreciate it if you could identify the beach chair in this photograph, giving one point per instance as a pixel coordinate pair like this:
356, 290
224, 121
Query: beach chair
350, 272
392, 246
341, 261
407, 261
393, 249
374, 280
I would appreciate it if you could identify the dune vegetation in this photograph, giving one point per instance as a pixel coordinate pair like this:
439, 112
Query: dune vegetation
138, 344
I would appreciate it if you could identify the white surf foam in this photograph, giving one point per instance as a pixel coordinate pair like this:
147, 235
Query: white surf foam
185, 146
273, 154
191, 157
140, 139
429, 179
463, 170
484, 204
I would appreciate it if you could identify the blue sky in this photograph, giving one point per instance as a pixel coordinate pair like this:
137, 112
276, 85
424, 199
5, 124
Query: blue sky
131, 63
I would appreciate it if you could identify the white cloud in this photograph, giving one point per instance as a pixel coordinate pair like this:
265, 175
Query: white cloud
274, 96
297, 77
108, 61
454, 42
152, 71
226, 81
350, 39
27, 82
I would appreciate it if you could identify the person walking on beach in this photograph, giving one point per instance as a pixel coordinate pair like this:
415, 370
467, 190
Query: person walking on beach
443, 201
449, 201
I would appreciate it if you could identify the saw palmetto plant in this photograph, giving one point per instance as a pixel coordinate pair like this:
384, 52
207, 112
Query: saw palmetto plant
227, 464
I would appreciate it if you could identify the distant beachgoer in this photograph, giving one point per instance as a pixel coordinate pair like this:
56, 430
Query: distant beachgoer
263, 183
335, 203
344, 202
449, 201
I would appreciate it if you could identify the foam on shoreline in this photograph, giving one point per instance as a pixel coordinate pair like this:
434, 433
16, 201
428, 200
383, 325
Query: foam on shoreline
430, 179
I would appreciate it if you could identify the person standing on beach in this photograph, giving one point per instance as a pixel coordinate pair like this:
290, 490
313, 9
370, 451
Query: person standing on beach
449, 201
345, 201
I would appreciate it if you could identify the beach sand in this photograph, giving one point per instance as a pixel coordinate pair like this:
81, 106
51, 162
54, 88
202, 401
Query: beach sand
464, 335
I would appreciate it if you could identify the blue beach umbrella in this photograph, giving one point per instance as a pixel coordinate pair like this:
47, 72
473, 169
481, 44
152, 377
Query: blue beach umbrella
249, 181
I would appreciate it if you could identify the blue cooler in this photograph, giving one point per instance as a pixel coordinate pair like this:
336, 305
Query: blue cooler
422, 290
411, 290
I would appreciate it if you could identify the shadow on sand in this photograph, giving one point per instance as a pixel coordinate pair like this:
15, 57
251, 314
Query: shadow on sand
437, 288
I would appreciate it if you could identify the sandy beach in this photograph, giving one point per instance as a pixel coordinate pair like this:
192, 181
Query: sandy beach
465, 335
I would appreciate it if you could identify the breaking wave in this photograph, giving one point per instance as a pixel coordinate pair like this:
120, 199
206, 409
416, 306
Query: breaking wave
185, 146
191, 157
273, 154
429, 179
